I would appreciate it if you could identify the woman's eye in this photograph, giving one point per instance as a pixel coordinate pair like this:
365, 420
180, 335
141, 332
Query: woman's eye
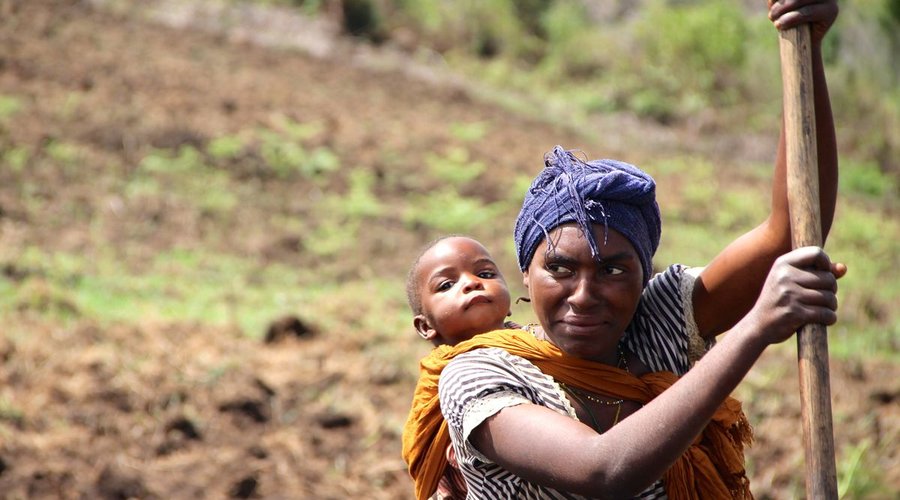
610, 270
558, 269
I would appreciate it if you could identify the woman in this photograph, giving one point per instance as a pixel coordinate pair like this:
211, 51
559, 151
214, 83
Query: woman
589, 404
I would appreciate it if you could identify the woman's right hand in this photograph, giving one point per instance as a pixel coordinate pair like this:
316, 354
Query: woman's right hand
801, 289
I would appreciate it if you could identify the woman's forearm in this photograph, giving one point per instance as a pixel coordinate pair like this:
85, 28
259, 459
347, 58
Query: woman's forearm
826, 155
649, 441
565, 454
826, 142
570, 456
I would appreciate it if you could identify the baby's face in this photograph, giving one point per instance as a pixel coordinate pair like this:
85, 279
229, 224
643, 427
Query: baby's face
462, 290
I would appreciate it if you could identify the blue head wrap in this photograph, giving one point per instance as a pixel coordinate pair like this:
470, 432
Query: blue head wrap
608, 192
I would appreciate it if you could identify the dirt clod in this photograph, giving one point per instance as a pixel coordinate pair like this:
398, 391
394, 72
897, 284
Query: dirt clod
195, 410
184, 427
245, 488
114, 483
253, 409
287, 327
332, 420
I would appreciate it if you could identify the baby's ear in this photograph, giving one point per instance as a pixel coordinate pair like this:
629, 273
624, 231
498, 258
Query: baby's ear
423, 328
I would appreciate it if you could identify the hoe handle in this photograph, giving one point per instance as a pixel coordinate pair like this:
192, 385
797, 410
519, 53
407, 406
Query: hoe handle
806, 230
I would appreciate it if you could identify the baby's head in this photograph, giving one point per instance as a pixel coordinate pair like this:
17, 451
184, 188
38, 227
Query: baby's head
456, 291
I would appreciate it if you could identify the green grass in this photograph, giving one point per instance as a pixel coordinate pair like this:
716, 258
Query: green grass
198, 284
869, 242
864, 178
470, 131
9, 106
670, 63
455, 167
446, 211
9, 411
858, 476
192, 285
195, 286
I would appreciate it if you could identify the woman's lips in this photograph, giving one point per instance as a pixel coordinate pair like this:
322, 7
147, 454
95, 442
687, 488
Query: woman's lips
582, 320
582, 323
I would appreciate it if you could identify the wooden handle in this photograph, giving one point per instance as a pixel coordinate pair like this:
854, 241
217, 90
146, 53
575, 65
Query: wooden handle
806, 230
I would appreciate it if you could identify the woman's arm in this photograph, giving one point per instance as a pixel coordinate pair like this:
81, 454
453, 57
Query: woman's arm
718, 303
547, 448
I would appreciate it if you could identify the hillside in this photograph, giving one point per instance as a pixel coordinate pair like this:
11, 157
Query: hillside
203, 241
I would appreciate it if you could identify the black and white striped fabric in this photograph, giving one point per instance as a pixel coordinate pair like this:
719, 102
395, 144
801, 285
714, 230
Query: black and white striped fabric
480, 383
660, 332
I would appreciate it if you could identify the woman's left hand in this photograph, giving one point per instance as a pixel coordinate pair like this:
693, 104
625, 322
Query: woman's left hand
790, 13
801, 289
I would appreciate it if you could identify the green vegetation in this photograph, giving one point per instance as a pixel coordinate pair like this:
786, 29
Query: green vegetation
661, 59
449, 212
329, 209
455, 167
9, 106
14, 158
9, 412
182, 178
858, 480
866, 179
203, 284
188, 286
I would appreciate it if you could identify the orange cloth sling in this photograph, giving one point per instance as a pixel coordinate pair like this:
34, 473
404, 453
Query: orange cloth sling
713, 467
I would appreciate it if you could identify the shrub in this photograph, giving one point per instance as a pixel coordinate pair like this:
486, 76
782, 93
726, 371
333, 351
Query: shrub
688, 57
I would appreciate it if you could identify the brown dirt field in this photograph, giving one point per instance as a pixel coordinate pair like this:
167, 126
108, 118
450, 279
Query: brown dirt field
160, 410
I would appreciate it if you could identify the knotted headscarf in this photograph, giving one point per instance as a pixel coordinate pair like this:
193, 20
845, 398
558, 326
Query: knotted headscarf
608, 192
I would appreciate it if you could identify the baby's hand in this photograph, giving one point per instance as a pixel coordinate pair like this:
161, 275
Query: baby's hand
512, 325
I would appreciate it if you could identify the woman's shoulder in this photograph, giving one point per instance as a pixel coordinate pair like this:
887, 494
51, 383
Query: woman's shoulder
674, 274
672, 288
490, 379
663, 330
488, 358
492, 368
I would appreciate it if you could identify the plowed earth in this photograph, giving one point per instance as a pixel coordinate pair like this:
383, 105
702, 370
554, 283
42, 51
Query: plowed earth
160, 410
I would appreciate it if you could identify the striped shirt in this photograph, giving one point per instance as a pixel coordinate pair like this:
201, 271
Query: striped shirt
480, 383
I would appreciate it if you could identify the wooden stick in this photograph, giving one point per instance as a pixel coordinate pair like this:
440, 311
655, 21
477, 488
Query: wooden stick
806, 230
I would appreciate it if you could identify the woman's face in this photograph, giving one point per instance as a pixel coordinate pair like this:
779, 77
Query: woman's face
584, 305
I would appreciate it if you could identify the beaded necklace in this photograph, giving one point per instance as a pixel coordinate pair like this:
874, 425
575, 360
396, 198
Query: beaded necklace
577, 394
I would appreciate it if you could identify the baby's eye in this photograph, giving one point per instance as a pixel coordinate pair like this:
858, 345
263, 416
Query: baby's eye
444, 286
487, 275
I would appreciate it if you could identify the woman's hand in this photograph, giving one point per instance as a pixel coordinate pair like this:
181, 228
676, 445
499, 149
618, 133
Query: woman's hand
819, 13
801, 289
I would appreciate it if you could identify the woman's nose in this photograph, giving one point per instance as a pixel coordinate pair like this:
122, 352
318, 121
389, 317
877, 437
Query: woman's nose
584, 295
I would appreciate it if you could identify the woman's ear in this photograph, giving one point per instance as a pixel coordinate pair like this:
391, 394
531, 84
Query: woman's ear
423, 328
525, 278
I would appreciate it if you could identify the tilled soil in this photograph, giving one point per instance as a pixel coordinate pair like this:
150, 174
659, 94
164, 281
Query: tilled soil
159, 410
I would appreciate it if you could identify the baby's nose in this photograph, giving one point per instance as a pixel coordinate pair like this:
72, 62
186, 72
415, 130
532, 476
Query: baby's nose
473, 283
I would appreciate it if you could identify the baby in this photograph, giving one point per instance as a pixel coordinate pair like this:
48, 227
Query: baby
456, 291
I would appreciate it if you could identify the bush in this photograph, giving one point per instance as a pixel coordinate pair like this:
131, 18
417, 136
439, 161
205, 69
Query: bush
865, 178
687, 57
